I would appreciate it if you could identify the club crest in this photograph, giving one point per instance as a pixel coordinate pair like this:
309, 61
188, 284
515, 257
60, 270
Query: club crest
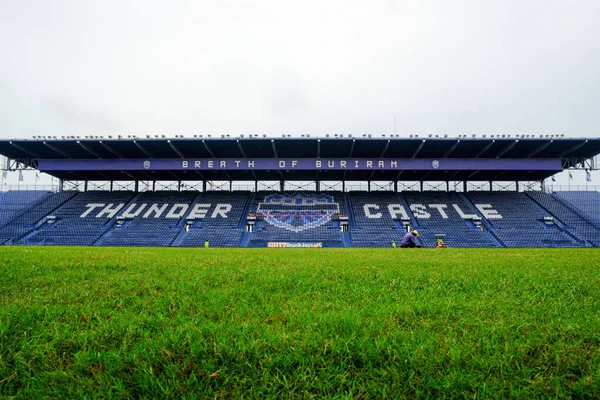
435, 164
298, 212
146, 164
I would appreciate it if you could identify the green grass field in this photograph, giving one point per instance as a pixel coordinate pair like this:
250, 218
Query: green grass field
283, 323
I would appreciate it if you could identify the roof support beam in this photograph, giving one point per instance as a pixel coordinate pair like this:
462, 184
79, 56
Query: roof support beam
139, 146
53, 148
497, 176
29, 152
318, 148
507, 148
198, 172
472, 174
540, 148
398, 176
486, 147
451, 149
208, 149
351, 148
418, 148
572, 149
175, 149
129, 175
83, 146
385, 148
274, 148
244, 155
113, 151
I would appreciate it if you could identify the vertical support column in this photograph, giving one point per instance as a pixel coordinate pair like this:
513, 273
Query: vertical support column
204, 186
136, 186
179, 186
281, 185
111, 186
368, 186
60, 185
255, 186
421, 185
343, 186
396, 186
318, 184
85, 186
465, 186
154, 186
517, 185
447, 186
543, 185
490, 185
230, 185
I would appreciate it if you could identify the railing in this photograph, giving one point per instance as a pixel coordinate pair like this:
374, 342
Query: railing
572, 188
350, 186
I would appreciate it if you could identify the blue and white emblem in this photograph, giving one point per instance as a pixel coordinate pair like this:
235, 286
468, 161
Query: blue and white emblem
298, 212
146, 164
435, 164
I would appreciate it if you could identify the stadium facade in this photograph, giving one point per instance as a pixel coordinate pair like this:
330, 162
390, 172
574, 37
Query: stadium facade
320, 210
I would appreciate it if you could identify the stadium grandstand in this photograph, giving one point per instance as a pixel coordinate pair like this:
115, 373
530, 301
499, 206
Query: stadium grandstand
332, 191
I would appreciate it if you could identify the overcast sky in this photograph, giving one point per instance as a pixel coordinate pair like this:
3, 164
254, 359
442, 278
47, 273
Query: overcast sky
198, 67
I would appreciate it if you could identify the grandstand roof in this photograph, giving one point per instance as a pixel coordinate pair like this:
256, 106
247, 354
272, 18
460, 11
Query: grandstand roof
30, 151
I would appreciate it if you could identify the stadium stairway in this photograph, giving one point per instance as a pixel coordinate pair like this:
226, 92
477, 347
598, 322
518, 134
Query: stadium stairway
155, 223
489, 228
181, 224
111, 223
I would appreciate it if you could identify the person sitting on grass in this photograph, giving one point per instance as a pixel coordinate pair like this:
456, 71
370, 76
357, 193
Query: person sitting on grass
410, 239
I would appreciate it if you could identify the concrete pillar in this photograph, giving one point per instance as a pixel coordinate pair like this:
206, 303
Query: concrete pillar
204, 186
85, 186
421, 185
136, 186
281, 186
396, 186
111, 186
465, 186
